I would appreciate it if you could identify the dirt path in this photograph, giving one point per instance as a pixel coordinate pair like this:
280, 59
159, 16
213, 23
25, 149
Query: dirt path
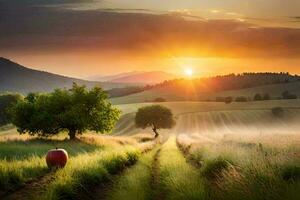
31, 189
155, 176
189, 159
102, 191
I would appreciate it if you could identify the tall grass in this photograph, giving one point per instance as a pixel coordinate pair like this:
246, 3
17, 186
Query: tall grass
18, 149
24, 160
14, 173
135, 184
178, 179
88, 170
240, 170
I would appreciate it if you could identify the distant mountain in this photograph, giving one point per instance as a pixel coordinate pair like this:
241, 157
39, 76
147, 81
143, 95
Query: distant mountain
17, 78
112, 77
152, 77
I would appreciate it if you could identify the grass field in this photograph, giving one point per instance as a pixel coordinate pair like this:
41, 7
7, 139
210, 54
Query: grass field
215, 118
216, 151
255, 167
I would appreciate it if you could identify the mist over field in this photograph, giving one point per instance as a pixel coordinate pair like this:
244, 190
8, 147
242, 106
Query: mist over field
217, 120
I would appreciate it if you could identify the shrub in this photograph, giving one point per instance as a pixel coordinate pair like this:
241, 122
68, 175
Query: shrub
228, 100
278, 112
257, 97
159, 99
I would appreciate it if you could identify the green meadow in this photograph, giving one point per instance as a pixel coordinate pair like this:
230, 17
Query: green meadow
215, 151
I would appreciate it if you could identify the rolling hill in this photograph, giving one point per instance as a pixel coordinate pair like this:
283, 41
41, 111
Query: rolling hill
111, 77
17, 78
219, 118
152, 77
190, 93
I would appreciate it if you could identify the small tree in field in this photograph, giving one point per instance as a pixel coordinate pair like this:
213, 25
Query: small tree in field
257, 97
228, 100
155, 117
75, 110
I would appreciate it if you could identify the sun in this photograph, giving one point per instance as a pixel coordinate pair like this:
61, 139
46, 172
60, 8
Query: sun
189, 72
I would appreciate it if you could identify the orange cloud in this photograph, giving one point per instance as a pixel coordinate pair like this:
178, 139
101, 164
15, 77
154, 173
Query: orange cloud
160, 35
66, 40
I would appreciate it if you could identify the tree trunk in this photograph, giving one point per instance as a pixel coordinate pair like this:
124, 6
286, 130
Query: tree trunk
155, 131
72, 134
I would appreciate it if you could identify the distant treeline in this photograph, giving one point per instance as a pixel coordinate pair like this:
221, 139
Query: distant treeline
257, 97
214, 84
119, 92
233, 81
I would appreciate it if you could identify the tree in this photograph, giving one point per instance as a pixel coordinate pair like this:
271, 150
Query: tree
228, 100
257, 97
75, 110
155, 117
7, 101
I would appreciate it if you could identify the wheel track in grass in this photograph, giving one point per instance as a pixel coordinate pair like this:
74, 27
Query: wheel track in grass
135, 182
155, 176
30, 189
104, 191
185, 153
101, 191
179, 180
37, 187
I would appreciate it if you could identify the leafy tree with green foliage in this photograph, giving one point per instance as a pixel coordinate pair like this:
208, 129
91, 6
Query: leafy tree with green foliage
155, 117
7, 101
75, 110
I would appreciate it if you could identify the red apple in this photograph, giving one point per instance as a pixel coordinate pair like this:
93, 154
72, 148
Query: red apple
57, 158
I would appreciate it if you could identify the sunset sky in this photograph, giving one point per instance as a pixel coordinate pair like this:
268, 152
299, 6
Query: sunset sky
85, 38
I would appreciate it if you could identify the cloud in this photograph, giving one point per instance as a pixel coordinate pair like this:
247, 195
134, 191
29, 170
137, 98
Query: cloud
295, 18
16, 6
47, 29
40, 2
